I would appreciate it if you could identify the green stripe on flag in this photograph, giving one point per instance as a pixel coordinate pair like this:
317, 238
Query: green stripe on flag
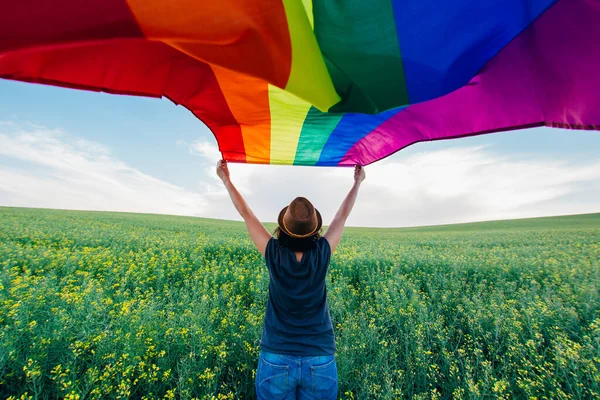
362, 37
315, 132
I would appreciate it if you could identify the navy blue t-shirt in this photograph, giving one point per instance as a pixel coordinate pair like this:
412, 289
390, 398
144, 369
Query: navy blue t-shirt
297, 321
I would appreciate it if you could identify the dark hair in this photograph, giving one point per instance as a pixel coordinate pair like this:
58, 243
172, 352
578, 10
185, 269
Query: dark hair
296, 244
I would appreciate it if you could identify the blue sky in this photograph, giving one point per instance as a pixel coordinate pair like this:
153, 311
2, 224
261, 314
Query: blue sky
61, 146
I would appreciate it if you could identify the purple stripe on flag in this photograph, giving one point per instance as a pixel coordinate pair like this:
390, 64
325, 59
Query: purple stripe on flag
548, 75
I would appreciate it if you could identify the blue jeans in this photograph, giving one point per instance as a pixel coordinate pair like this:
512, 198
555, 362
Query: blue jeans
286, 377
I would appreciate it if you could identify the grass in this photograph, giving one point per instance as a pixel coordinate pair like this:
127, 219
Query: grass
113, 305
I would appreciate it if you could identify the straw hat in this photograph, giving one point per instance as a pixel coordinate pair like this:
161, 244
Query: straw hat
300, 219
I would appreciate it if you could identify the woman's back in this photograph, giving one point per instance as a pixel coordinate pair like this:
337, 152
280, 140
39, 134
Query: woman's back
297, 320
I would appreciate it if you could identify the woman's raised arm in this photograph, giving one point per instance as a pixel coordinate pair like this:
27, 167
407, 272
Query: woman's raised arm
336, 228
258, 233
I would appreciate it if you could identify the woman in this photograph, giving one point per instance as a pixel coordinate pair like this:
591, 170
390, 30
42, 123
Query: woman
297, 345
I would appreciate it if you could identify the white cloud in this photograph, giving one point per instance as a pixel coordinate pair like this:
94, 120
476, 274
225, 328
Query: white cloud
208, 151
460, 184
457, 184
473, 183
60, 171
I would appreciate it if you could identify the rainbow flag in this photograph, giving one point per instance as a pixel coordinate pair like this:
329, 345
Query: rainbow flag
325, 82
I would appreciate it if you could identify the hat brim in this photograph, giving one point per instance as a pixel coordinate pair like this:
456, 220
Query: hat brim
282, 227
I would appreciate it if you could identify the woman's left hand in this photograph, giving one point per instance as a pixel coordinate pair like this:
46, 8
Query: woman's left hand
359, 174
222, 170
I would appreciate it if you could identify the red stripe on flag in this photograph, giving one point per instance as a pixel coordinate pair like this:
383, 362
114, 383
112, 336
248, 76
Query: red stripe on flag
137, 67
28, 24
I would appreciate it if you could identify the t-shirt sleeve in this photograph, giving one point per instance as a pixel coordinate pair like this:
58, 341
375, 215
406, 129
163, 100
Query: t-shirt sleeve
271, 253
325, 250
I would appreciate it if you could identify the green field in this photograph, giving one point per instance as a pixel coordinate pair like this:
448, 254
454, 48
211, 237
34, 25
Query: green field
113, 305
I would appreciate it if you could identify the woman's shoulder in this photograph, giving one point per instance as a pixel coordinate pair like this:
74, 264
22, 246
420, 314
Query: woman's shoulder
272, 247
323, 246
275, 244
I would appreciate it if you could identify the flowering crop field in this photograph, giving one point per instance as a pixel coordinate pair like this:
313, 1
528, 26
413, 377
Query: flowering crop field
114, 305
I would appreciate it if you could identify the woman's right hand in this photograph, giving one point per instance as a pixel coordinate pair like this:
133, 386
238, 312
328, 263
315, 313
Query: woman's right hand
336, 228
359, 174
222, 170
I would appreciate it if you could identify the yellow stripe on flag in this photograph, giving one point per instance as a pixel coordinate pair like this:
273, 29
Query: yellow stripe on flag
309, 78
287, 117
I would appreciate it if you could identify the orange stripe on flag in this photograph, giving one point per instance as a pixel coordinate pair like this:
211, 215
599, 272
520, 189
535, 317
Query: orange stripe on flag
248, 100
